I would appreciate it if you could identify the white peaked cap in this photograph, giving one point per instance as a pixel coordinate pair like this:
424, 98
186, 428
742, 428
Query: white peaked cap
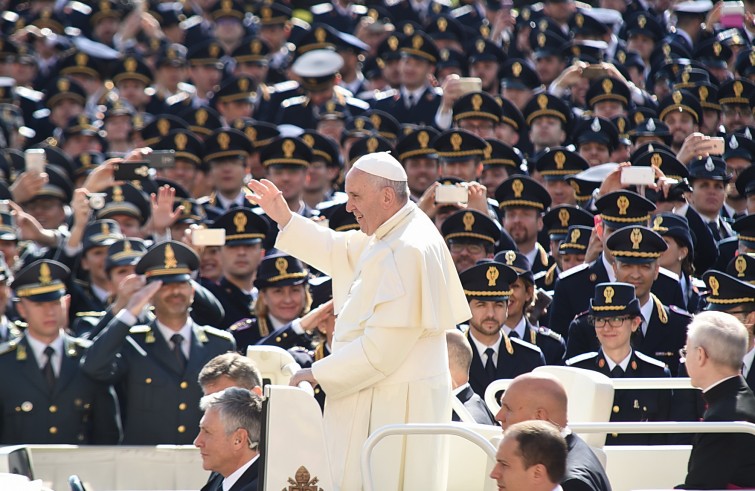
381, 164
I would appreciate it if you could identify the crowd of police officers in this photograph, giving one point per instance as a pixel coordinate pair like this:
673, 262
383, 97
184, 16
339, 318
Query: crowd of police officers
516, 125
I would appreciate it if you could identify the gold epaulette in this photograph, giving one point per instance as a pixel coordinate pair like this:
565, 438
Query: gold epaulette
661, 311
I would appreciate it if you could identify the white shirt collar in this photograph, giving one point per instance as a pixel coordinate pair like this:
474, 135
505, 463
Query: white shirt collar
532, 255
519, 328
647, 311
718, 383
482, 347
609, 268
101, 294
623, 364
277, 324
185, 331
229, 481
747, 361
228, 204
38, 348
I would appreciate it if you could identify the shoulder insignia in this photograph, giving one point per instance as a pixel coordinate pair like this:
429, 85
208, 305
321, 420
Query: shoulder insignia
676, 310
91, 313
697, 282
353, 101
525, 344
544, 331
84, 343
294, 101
542, 254
582, 357
670, 274
581, 314
285, 86
218, 332
242, 324
31, 94
8, 346
321, 8
661, 309
385, 94
140, 329
550, 276
573, 271
650, 360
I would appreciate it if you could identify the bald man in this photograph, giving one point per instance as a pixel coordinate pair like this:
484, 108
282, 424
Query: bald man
538, 396
459, 361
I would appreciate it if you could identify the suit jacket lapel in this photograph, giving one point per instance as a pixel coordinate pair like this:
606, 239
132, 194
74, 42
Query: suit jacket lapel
249, 476
654, 332
198, 338
477, 370
69, 365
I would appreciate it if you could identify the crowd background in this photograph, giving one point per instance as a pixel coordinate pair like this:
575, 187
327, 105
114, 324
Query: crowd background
514, 123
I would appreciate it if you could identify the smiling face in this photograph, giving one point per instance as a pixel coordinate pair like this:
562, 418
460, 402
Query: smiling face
285, 303
366, 201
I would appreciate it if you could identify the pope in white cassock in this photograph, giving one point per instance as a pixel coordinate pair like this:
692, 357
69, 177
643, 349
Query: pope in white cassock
395, 292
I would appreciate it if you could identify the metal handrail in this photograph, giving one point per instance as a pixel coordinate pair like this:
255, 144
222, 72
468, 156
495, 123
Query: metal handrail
665, 427
418, 429
663, 383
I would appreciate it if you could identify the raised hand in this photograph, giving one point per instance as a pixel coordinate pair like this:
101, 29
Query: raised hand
270, 198
163, 214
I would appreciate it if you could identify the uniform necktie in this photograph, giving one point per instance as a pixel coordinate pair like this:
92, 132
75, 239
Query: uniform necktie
617, 372
177, 339
713, 226
489, 366
47, 370
410, 101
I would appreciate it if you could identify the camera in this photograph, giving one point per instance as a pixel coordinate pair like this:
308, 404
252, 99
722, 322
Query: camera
96, 200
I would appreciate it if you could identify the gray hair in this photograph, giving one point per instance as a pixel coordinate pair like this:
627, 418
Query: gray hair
238, 368
238, 409
723, 337
401, 188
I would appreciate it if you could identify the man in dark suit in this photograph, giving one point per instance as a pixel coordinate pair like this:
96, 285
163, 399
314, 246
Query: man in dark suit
239, 256
229, 438
495, 355
538, 396
415, 101
459, 361
45, 398
522, 295
716, 344
574, 287
158, 363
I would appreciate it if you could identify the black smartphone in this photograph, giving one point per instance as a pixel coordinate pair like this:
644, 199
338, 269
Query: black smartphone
131, 171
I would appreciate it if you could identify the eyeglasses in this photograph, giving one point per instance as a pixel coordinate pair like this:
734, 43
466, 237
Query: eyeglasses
473, 249
604, 322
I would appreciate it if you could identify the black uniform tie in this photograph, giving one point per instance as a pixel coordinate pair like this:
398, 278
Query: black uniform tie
47, 370
617, 372
489, 366
177, 339
715, 230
